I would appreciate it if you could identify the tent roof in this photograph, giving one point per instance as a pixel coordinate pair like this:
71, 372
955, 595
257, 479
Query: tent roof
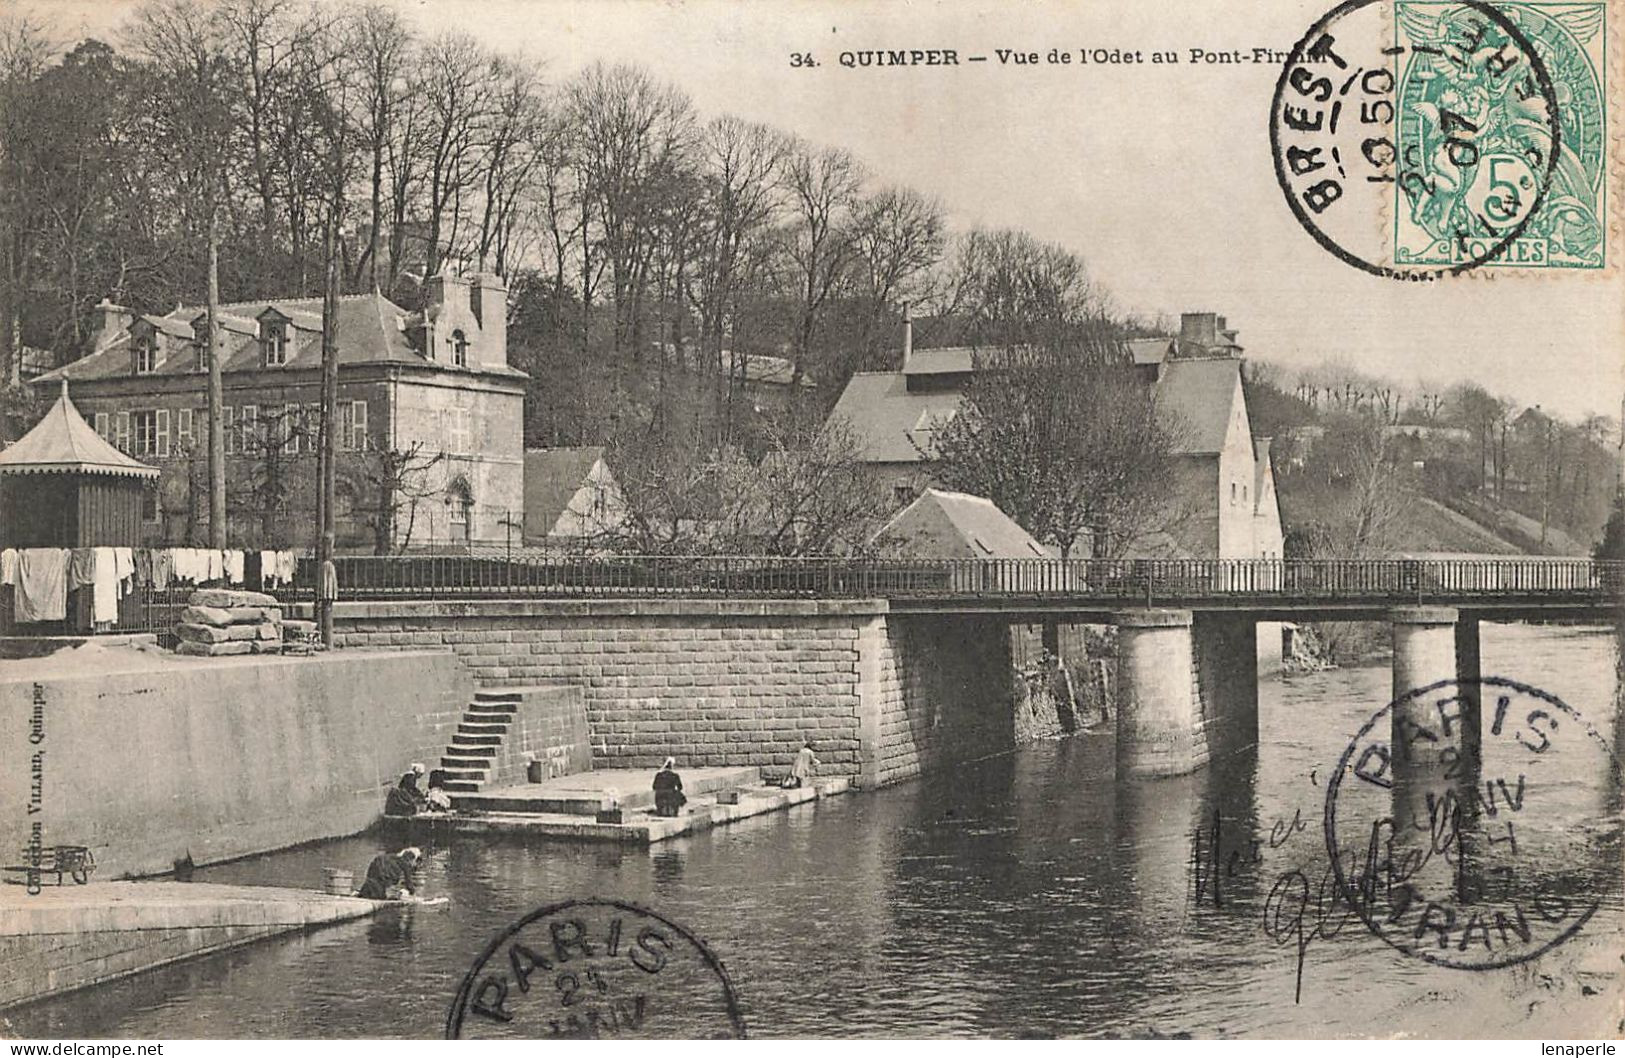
943, 524
63, 443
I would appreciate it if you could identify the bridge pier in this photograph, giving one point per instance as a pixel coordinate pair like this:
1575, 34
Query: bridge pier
1426, 728
1159, 718
1226, 648
1467, 677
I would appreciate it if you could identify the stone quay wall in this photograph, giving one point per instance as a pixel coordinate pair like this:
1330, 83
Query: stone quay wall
154, 760
732, 682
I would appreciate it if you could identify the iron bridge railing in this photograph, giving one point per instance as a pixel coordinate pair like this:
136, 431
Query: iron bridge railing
1149, 581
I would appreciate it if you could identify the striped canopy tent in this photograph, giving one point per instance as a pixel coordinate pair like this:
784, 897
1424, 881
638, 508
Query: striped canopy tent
61, 485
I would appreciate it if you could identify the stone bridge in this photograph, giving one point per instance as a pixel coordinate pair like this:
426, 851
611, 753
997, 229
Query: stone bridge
891, 665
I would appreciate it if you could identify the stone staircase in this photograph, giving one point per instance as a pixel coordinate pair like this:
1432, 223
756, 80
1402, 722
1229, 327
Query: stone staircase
473, 750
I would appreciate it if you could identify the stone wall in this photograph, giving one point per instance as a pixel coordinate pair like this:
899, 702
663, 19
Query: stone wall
948, 692
714, 684
151, 759
734, 683
551, 724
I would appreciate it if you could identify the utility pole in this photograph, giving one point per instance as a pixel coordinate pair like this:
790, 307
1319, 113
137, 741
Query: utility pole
217, 392
326, 463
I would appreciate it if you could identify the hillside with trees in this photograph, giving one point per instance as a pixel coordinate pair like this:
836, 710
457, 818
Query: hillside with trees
1366, 466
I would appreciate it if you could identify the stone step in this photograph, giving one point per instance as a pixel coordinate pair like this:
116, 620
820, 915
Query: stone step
459, 786
464, 775
492, 708
459, 740
470, 750
499, 696
488, 730
457, 763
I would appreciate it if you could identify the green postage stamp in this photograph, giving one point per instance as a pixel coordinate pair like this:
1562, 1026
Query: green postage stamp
1478, 154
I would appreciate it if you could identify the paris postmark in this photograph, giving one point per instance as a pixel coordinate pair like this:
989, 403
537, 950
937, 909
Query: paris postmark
591, 969
1465, 827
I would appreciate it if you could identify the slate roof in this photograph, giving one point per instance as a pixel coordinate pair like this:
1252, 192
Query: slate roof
552, 478
947, 360
63, 443
1203, 395
883, 415
371, 329
1149, 350
889, 421
942, 524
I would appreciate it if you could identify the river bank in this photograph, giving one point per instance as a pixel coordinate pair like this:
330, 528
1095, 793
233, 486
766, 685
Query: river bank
1030, 893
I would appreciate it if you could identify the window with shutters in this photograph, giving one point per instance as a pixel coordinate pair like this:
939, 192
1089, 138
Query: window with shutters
459, 430
103, 425
248, 422
231, 434
358, 425
160, 442
183, 429
121, 431
459, 349
144, 432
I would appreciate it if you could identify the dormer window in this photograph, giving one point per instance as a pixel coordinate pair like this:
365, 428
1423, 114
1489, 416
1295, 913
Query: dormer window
200, 342
459, 349
274, 343
273, 338
146, 353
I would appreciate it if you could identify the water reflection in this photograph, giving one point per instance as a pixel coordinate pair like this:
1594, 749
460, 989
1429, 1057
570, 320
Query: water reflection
1031, 894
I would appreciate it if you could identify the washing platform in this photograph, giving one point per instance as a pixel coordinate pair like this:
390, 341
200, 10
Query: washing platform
614, 805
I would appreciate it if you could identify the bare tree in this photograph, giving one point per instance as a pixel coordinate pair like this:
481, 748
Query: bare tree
397, 480
1067, 443
458, 84
378, 56
634, 136
25, 49
898, 238
824, 185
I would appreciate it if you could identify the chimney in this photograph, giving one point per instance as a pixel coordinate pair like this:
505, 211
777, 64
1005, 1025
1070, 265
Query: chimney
908, 337
488, 299
108, 321
1199, 328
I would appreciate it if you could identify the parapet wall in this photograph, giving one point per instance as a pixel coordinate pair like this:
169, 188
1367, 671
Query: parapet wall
151, 759
733, 683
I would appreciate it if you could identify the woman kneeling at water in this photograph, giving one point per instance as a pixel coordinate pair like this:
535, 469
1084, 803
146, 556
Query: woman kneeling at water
668, 785
389, 875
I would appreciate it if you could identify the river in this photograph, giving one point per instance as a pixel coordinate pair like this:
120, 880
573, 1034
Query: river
1023, 895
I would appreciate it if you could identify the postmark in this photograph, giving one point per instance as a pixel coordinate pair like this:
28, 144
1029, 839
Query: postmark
1474, 853
1419, 140
595, 968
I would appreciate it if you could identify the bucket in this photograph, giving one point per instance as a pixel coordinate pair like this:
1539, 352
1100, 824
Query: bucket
533, 771
340, 882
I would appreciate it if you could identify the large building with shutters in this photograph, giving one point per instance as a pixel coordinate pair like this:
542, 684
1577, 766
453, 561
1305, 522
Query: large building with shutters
430, 416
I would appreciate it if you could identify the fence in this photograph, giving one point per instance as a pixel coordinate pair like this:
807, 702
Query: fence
1147, 580
1143, 581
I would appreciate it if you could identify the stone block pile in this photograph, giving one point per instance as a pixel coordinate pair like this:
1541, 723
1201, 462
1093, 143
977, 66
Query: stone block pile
219, 622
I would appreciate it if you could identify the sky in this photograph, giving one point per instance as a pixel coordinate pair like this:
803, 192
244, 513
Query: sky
1160, 176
